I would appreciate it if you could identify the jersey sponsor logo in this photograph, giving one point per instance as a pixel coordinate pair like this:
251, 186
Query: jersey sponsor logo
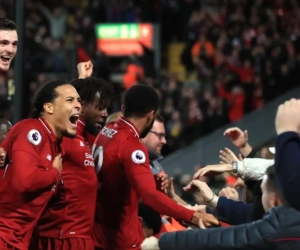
89, 160
34, 137
108, 132
138, 157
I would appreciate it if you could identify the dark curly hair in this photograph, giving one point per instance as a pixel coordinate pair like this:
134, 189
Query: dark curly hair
88, 87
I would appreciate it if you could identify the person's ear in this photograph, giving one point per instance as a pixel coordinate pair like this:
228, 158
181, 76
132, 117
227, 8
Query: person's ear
273, 200
277, 201
150, 116
48, 107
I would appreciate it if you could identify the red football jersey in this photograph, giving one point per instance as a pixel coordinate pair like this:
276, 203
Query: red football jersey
28, 181
70, 213
90, 139
125, 177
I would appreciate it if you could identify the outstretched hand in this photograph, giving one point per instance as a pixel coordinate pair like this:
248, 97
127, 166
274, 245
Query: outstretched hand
238, 137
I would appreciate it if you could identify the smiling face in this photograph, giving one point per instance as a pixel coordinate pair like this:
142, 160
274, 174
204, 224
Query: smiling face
8, 48
156, 138
65, 110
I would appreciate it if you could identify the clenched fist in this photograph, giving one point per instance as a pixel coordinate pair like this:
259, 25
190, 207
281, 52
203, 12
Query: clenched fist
85, 69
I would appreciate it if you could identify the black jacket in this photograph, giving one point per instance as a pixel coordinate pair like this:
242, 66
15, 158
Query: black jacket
279, 229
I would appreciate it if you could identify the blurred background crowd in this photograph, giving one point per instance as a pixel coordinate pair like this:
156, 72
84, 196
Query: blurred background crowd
220, 59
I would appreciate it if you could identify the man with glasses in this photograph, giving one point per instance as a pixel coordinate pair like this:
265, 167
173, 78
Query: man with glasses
154, 141
156, 138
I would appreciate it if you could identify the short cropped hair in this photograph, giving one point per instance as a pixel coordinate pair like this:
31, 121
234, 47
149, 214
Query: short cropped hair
45, 93
151, 218
88, 87
7, 24
159, 118
139, 100
272, 184
271, 181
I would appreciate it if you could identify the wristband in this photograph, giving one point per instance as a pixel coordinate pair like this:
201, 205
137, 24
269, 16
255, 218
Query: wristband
209, 201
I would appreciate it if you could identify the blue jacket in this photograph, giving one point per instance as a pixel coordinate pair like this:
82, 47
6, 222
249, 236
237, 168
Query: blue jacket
234, 212
277, 230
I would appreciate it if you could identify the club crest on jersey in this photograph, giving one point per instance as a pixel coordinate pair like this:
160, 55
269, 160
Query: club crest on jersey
34, 137
138, 157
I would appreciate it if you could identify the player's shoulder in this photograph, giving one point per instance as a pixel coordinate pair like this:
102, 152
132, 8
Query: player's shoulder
139, 154
129, 131
32, 129
129, 141
30, 123
124, 129
130, 137
137, 150
111, 131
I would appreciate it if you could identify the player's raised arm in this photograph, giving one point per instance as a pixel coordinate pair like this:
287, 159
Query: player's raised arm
85, 69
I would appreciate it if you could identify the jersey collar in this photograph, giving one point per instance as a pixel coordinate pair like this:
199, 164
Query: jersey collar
131, 125
80, 131
48, 129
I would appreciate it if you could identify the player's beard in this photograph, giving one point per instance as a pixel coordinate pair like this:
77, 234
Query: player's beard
92, 128
147, 129
67, 134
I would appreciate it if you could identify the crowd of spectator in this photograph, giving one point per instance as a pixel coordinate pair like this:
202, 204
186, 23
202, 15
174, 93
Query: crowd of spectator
244, 52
